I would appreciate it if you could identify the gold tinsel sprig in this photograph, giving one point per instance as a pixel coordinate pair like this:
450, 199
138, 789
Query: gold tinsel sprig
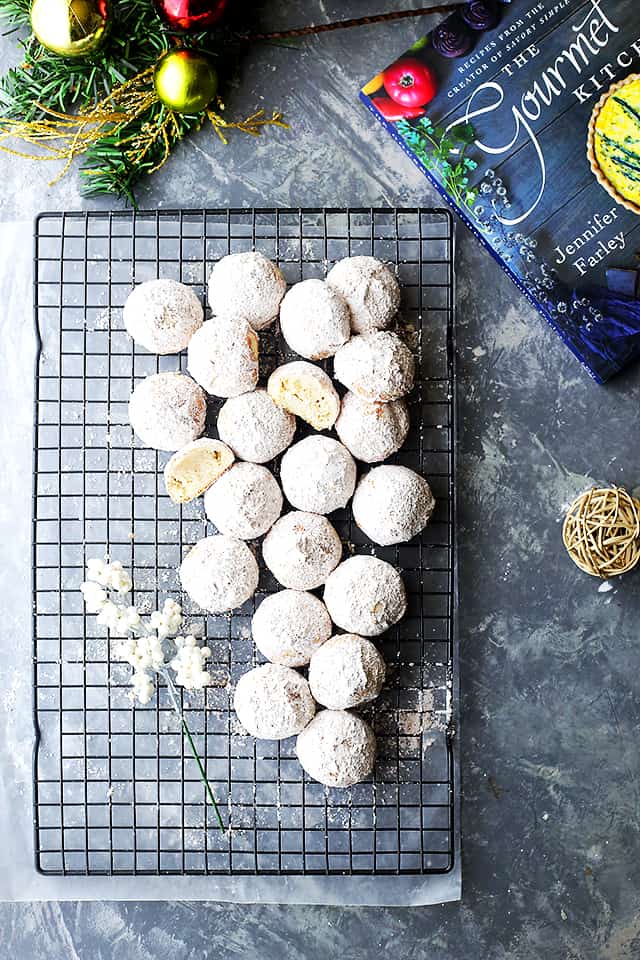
64, 137
601, 531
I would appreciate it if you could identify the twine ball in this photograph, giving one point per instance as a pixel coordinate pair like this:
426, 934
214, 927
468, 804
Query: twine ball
601, 531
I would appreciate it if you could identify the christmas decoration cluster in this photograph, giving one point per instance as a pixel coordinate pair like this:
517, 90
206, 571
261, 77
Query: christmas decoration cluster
116, 84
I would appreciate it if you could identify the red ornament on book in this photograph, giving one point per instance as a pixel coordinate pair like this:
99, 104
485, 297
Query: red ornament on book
190, 15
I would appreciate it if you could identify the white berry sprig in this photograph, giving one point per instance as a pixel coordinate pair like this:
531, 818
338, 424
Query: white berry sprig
152, 649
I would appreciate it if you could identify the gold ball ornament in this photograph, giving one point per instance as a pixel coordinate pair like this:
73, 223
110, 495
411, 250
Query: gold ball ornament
70, 28
601, 531
185, 80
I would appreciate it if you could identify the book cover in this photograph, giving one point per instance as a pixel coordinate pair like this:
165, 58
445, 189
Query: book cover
526, 117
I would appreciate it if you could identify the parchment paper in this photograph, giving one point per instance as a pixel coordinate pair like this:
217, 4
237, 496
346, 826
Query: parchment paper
18, 877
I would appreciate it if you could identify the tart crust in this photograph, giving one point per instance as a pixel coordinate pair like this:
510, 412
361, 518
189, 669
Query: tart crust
591, 145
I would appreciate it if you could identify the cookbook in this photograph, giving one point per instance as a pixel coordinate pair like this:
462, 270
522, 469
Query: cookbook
526, 118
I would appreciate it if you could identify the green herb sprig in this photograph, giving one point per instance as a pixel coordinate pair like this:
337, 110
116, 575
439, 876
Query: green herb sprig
443, 151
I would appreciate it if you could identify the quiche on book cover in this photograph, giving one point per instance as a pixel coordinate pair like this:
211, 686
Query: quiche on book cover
526, 117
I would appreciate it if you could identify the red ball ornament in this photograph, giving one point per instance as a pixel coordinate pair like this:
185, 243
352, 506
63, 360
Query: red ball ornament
191, 15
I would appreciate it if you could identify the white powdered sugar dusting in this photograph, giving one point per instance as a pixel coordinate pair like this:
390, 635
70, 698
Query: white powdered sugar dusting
245, 502
289, 626
273, 702
219, 573
167, 410
392, 504
346, 671
255, 427
301, 550
365, 595
315, 319
318, 474
371, 430
162, 315
223, 357
376, 366
246, 286
370, 289
337, 748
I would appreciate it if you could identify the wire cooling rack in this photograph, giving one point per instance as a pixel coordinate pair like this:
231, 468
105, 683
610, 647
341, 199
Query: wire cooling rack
115, 792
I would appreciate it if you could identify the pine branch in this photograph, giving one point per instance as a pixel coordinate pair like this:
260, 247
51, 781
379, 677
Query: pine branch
15, 11
108, 166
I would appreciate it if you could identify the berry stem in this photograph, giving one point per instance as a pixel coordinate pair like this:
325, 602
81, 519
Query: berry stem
196, 756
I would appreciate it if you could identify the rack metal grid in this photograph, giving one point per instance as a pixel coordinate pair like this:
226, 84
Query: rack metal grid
115, 792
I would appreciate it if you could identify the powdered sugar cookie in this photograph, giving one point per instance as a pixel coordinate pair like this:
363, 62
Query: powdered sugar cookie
318, 474
273, 702
301, 550
365, 595
162, 315
372, 430
314, 319
337, 748
244, 503
370, 289
255, 427
247, 286
289, 626
306, 391
223, 357
195, 467
392, 504
167, 410
219, 573
346, 671
376, 366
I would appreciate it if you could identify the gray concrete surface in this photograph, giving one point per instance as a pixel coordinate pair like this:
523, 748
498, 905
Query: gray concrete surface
550, 683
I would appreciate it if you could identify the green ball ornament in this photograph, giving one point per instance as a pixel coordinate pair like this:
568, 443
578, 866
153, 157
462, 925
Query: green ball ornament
185, 80
70, 28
